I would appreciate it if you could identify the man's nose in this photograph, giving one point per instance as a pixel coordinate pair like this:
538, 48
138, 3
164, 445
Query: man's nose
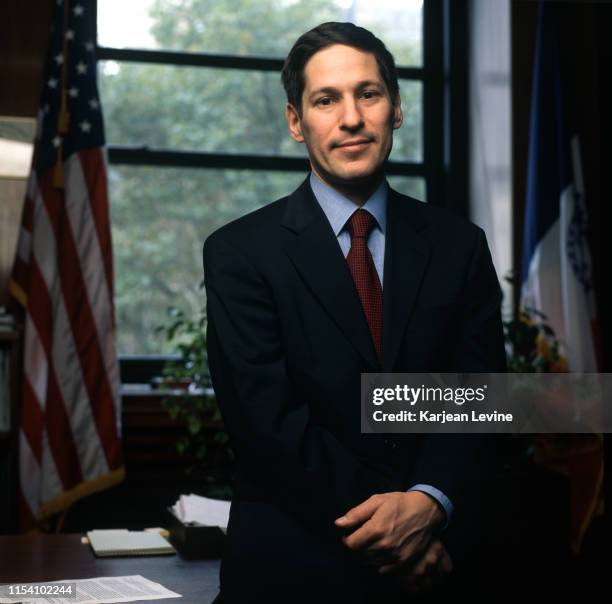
351, 118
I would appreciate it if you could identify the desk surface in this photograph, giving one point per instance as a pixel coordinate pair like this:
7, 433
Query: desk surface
27, 558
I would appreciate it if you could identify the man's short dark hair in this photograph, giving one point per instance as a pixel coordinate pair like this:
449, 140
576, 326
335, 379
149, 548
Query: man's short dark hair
325, 35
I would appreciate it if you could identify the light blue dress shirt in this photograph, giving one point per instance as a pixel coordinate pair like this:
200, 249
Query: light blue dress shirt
338, 210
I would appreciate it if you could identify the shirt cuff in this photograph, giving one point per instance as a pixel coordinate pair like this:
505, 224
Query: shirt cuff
439, 496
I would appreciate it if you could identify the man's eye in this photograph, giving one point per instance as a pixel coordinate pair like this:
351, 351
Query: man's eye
324, 101
368, 94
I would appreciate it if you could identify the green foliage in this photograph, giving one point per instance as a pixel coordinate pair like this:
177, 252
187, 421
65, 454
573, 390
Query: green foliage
188, 338
191, 400
161, 216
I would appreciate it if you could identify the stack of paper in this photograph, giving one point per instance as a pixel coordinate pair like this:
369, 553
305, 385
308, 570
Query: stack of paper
193, 509
121, 542
98, 590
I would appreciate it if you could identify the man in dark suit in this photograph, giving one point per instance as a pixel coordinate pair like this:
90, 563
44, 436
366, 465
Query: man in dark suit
341, 277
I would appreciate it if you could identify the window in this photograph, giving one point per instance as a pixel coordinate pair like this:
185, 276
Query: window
193, 109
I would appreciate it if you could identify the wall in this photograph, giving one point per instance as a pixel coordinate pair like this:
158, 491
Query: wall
24, 32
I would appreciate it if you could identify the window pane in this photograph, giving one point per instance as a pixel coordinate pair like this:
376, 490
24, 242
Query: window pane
197, 109
409, 185
408, 140
217, 110
161, 218
244, 27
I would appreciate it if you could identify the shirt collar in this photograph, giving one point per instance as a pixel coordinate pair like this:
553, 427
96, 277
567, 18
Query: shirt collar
339, 208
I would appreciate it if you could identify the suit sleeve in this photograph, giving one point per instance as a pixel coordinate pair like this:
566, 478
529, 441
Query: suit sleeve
273, 435
462, 465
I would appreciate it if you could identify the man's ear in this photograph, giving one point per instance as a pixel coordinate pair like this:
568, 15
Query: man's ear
398, 116
294, 123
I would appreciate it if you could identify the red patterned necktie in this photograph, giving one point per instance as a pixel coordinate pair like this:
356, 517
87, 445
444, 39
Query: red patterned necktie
365, 276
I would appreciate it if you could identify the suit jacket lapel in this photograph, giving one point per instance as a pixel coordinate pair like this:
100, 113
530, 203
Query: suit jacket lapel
407, 253
316, 255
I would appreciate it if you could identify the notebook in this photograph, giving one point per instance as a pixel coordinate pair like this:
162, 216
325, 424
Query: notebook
122, 542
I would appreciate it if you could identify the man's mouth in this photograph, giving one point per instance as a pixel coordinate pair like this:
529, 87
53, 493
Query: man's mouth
354, 144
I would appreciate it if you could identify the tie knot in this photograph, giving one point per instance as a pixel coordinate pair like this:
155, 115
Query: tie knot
360, 224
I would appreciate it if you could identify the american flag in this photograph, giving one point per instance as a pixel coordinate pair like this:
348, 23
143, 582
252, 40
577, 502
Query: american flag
69, 441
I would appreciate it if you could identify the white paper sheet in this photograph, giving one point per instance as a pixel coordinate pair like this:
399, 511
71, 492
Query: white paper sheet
202, 510
99, 590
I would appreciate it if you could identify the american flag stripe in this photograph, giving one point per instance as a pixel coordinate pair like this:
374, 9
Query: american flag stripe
81, 319
35, 357
33, 429
89, 251
70, 408
23, 250
61, 349
30, 479
40, 312
49, 399
90, 222
93, 164
51, 483
59, 435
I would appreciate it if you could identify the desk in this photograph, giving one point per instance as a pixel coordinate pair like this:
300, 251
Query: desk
27, 558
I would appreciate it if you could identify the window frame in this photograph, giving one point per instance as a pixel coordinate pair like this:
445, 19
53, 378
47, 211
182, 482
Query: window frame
445, 127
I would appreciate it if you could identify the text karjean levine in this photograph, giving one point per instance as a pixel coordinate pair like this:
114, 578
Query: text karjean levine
440, 417
481, 403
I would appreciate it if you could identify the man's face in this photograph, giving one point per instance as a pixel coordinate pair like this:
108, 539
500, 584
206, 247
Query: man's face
348, 117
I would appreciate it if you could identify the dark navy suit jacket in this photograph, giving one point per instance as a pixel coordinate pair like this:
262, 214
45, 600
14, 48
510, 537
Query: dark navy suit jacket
287, 342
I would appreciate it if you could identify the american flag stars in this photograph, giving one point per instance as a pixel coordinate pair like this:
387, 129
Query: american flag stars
70, 74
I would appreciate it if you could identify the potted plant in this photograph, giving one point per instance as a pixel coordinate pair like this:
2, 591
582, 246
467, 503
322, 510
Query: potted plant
191, 401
